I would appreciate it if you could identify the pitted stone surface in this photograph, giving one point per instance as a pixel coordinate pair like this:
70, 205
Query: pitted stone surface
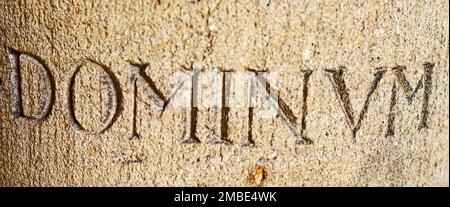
357, 79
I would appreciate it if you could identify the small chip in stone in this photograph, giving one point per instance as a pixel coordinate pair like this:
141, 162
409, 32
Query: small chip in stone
272, 155
256, 175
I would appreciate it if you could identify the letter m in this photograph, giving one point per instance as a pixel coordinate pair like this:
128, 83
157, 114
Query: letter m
424, 82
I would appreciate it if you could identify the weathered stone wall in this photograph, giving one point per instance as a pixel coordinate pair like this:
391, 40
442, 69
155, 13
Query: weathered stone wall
362, 99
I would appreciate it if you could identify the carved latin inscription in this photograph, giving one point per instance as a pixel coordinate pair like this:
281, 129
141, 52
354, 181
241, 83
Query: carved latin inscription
257, 84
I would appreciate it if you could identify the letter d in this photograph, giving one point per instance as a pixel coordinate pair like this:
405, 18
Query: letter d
16, 86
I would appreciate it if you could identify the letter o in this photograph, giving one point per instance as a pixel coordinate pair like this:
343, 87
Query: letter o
115, 94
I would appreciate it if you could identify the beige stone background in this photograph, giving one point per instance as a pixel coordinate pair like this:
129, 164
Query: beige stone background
282, 36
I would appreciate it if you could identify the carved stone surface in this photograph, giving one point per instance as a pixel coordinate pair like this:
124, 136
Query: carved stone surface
224, 93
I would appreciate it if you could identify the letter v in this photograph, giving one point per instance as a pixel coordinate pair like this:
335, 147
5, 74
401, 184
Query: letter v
337, 80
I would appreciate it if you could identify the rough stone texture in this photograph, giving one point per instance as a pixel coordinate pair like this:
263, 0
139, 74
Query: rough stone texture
282, 37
